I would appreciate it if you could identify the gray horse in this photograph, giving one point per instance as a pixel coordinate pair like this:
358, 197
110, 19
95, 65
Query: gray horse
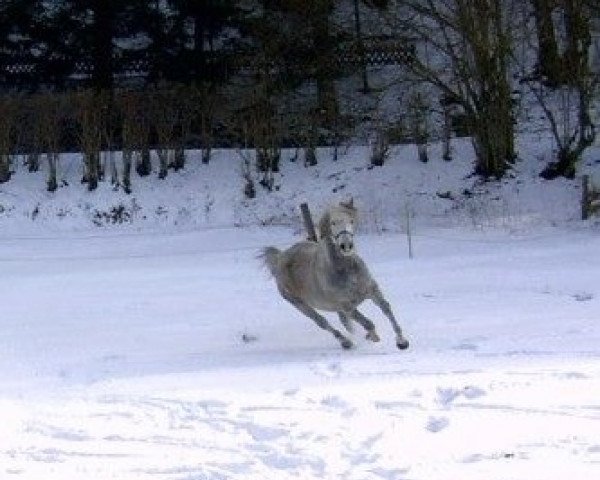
328, 275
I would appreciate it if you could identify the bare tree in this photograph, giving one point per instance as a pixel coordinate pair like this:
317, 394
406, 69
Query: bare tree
565, 95
134, 133
29, 140
138, 122
264, 133
207, 105
462, 48
318, 12
249, 188
309, 136
165, 119
109, 131
568, 113
446, 130
49, 124
88, 110
8, 116
187, 101
380, 149
419, 113
548, 58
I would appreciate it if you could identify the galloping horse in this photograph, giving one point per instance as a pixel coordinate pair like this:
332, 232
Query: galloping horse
329, 275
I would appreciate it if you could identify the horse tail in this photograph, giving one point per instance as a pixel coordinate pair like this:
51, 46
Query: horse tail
270, 257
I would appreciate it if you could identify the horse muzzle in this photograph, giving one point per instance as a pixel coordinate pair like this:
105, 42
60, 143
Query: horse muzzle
345, 242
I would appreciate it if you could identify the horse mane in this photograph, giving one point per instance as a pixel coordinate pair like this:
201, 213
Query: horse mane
324, 225
324, 222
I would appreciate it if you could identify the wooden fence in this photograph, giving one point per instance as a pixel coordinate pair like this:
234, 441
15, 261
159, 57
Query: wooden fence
370, 51
590, 198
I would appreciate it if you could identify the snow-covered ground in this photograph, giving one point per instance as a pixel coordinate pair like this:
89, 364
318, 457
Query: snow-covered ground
436, 194
159, 347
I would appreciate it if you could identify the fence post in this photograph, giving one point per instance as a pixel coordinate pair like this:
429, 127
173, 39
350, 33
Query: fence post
585, 197
409, 232
308, 222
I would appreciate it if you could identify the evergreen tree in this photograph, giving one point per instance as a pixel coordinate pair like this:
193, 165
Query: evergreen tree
16, 39
200, 23
92, 34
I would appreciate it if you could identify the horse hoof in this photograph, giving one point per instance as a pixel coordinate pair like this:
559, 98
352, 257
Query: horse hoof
347, 344
402, 344
373, 336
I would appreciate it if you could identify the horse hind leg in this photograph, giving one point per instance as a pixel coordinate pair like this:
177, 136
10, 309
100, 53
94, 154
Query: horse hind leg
346, 322
318, 319
367, 324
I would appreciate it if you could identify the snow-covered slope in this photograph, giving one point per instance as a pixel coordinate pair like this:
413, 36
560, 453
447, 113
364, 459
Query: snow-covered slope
159, 348
439, 194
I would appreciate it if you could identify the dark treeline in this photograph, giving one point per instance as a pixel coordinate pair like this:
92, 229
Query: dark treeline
166, 75
56, 44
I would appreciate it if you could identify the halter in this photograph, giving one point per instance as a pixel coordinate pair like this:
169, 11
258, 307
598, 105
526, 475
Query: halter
344, 241
339, 234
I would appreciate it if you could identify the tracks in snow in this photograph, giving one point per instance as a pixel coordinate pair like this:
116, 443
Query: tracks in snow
389, 427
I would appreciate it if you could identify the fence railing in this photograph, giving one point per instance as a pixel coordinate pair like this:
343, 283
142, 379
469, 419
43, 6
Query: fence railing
370, 51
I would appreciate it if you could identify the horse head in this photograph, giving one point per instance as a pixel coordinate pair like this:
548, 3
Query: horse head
337, 224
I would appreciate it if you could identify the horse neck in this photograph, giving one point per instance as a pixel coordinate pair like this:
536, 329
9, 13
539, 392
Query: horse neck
333, 256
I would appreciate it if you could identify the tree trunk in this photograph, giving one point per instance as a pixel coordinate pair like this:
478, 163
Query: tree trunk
326, 95
549, 62
206, 138
585, 197
447, 135
92, 168
144, 164
33, 161
571, 149
199, 34
4, 168
7, 129
493, 136
493, 130
127, 163
102, 47
493, 149
164, 153
575, 58
493, 127
419, 112
52, 184
178, 158
112, 167
578, 79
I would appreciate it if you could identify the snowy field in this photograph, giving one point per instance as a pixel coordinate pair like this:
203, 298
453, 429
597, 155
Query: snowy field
160, 349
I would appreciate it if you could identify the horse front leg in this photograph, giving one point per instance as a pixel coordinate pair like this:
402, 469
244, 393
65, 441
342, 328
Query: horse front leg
367, 324
383, 304
320, 320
